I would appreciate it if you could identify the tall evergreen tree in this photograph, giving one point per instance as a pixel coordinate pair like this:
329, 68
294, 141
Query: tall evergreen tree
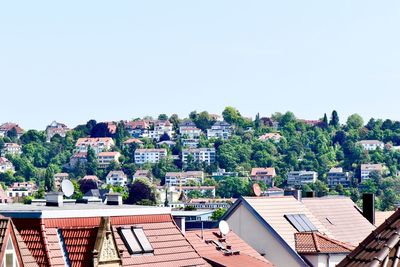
49, 179
91, 166
325, 121
257, 122
334, 119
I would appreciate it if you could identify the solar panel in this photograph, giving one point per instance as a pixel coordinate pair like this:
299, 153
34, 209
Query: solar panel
301, 222
144, 242
130, 241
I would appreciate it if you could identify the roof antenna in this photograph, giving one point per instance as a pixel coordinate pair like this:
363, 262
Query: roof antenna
223, 228
67, 188
202, 229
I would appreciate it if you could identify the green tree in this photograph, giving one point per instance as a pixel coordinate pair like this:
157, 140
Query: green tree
334, 119
141, 190
355, 121
49, 179
91, 165
163, 117
217, 214
231, 115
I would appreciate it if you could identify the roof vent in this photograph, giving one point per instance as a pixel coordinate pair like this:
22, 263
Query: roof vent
114, 199
54, 199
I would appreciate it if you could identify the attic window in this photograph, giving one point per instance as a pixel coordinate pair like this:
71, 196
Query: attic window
135, 240
301, 222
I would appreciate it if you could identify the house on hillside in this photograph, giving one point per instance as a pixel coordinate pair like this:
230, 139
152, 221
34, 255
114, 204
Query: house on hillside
5, 128
220, 129
207, 155
98, 144
105, 158
56, 128
116, 178
263, 174
367, 169
371, 144
150, 155
11, 149
338, 176
298, 178
6, 165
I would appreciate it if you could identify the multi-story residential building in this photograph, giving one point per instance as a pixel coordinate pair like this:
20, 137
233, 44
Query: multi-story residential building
371, 144
190, 143
298, 178
161, 128
138, 129
220, 129
152, 155
105, 158
221, 173
132, 141
97, 144
8, 126
182, 178
11, 148
366, 170
58, 178
116, 178
5, 165
206, 155
263, 174
56, 128
338, 176
276, 137
21, 189
187, 124
189, 130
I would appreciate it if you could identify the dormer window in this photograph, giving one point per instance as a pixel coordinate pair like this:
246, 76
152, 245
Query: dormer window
135, 240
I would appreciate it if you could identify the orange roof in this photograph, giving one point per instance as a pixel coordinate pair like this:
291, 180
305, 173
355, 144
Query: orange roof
247, 255
171, 248
263, 171
133, 140
108, 154
316, 243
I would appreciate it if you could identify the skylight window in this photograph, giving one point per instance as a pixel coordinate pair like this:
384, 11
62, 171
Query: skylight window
301, 222
135, 240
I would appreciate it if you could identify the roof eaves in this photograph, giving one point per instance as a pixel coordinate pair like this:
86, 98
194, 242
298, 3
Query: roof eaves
267, 226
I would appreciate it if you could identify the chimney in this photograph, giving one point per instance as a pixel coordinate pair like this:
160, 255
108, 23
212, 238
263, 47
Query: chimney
114, 199
369, 207
293, 192
310, 194
181, 223
54, 199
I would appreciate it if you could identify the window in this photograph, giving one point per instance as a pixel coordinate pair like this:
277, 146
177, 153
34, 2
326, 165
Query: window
301, 222
135, 240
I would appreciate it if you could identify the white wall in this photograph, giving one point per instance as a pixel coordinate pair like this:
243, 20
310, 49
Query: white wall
244, 224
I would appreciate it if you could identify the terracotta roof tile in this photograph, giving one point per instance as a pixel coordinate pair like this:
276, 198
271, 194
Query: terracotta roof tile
381, 244
79, 244
315, 243
247, 257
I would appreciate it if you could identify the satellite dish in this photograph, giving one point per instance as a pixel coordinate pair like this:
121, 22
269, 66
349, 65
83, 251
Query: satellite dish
223, 227
257, 190
67, 188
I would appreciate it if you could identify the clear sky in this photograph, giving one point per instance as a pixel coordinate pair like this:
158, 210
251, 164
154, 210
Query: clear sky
71, 61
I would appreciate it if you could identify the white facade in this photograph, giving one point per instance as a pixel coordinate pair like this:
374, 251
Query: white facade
12, 149
190, 143
56, 128
200, 154
160, 128
5, 165
301, 177
221, 130
149, 155
97, 144
116, 178
366, 170
182, 178
371, 144
105, 158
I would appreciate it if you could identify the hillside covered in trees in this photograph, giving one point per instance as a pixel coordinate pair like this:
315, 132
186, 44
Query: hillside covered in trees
305, 145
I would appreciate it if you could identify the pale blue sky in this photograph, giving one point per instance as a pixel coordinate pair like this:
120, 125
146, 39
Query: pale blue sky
110, 60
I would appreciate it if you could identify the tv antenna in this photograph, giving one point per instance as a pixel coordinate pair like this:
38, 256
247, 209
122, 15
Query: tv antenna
67, 188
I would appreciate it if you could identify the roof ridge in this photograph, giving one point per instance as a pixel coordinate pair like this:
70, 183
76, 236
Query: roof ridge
316, 243
336, 242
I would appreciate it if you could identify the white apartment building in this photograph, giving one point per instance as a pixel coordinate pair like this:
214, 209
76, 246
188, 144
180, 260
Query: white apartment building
298, 178
366, 170
152, 155
105, 158
97, 144
190, 143
116, 178
160, 128
338, 176
371, 144
199, 154
181, 178
220, 129
12, 149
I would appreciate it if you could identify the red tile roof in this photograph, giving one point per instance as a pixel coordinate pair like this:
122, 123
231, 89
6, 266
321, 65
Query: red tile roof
79, 235
263, 171
315, 243
208, 250
377, 248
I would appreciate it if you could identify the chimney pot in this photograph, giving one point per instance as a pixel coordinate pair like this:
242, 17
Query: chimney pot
369, 207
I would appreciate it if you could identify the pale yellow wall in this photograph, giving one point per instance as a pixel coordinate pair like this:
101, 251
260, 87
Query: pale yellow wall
244, 224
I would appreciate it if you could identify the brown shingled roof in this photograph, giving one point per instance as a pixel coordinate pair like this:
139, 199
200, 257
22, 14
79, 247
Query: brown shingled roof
380, 248
315, 243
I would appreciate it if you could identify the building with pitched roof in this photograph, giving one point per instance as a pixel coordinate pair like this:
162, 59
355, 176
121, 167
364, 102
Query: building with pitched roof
98, 144
263, 174
367, 169
229, 250
56, 128
105, 158
149, 155
116, 178
220, 129
12, 149
381, 248
13, 250
276, 137
102, 235
9, 126
6, 165
371, 144
182, 178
